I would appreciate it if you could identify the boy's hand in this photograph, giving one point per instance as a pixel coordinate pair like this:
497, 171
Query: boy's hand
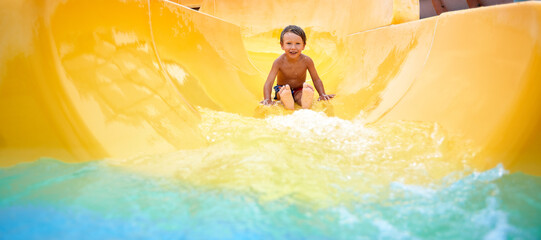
326, 97
267, 102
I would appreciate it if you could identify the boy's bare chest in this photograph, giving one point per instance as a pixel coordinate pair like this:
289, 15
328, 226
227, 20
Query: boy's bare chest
293, 71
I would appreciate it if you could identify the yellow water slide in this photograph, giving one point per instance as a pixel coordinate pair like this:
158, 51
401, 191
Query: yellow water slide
83, 80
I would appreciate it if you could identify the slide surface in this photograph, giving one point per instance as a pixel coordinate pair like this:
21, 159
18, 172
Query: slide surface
85, 80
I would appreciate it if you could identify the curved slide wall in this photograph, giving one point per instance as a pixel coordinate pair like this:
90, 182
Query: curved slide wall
86, 80
475, 72
326, 23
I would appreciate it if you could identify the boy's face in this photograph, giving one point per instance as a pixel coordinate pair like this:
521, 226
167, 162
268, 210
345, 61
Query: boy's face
292, 45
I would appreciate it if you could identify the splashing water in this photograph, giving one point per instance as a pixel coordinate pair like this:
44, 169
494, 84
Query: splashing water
297, 176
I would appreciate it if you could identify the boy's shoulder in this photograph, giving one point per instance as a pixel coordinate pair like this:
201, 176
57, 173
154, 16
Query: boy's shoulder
279, 59
306, 59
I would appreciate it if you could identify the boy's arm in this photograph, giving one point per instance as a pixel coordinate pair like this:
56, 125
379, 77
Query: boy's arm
318, 84
267, 88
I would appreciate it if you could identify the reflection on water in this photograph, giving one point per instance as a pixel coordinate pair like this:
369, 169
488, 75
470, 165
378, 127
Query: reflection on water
303, 176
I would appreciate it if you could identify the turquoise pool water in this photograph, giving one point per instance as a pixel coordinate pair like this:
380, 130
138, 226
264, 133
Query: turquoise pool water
376, 185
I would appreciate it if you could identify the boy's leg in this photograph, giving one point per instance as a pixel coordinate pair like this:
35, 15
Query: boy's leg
305, 97
286, 98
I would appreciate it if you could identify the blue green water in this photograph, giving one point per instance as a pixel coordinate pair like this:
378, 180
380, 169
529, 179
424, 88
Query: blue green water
49, 199
298, 176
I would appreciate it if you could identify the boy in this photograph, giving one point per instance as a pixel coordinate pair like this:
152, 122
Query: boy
290, 68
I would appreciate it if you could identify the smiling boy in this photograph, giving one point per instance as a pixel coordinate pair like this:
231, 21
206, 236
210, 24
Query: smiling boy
290, 71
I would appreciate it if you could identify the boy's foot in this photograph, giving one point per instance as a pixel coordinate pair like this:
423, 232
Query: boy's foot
286, 97
307, 96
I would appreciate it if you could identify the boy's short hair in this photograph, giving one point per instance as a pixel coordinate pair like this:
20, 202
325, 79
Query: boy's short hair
294, 29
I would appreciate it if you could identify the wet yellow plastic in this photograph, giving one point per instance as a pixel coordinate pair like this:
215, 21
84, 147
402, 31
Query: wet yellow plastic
83, 80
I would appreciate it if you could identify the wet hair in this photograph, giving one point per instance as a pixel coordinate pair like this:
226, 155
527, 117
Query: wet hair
293, 29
